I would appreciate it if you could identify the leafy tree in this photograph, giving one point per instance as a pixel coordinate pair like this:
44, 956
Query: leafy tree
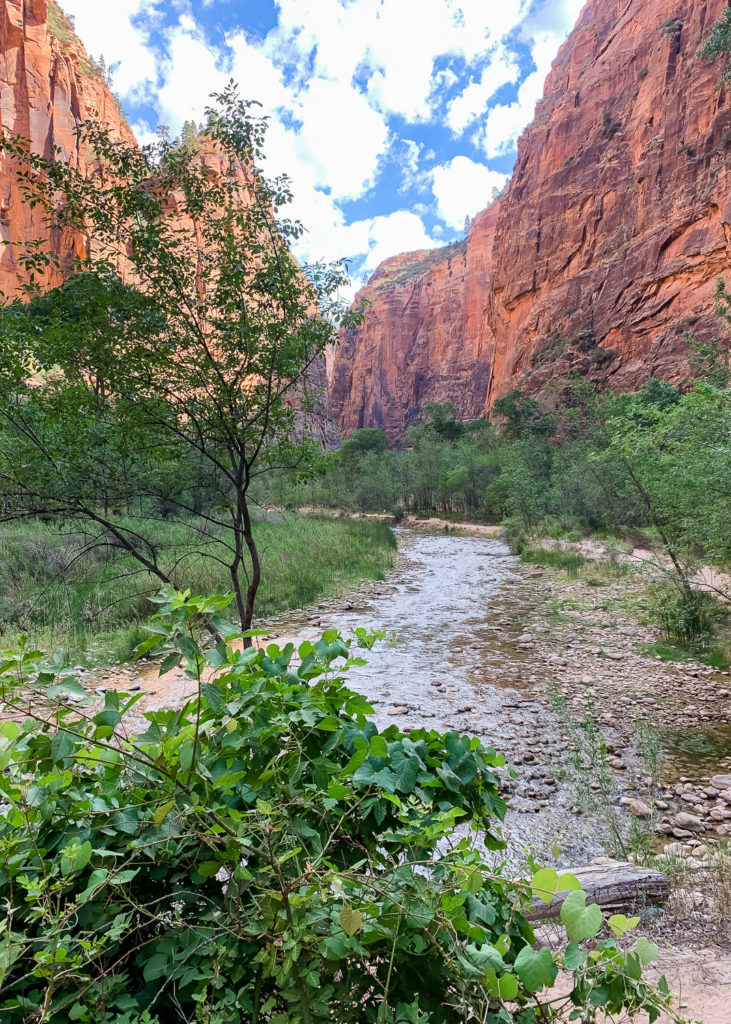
523, 414
441, 417
367, 439
265, 854
718, 43
175, 365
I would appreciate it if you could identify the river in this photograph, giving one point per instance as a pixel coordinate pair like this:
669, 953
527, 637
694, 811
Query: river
452, 610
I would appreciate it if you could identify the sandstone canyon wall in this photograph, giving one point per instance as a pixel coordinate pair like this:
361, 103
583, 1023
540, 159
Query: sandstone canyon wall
617, 221
603, 252
48, 85
425, 337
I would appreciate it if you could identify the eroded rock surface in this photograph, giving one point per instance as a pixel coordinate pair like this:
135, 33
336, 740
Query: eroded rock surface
425, 338
48, 86
603, 253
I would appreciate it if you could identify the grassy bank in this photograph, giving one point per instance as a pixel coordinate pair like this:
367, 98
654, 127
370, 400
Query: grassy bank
93, 602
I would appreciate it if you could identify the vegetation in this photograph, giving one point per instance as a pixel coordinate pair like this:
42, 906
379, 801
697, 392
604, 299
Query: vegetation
718, 43
66, 588
656, 463
264, 854
195, 372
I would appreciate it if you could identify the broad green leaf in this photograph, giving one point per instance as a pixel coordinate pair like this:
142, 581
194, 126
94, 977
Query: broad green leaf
351, 920
581, 922
508, 986
647, 951
378, 747
545, 884
536, 969
62, 745
621, 924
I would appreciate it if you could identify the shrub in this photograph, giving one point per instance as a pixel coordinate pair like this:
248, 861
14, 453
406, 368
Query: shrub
264, 854
691, 621
554, 559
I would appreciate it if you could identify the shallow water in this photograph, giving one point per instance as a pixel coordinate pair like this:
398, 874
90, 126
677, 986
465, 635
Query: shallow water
452, 611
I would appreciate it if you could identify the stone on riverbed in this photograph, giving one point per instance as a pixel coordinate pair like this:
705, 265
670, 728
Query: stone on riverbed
721, 782
639, 809
689, 822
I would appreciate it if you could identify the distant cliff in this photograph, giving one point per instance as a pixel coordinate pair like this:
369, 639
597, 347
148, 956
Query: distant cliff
48, 85
425, 338
604, 251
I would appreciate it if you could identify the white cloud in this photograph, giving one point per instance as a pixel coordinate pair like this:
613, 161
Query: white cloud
462, 188
332, 74
384, 236
115, 32
472, 101
342, 137
505, 122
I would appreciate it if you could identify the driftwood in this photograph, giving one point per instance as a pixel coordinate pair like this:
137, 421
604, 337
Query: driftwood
614, 886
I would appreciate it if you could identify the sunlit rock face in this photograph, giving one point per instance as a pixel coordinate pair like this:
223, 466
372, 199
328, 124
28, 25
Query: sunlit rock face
617, 221
602, 254
425, 337
48, 86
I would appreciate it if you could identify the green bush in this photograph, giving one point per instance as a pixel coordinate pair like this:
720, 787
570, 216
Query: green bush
691, 621
554, 559
265, 854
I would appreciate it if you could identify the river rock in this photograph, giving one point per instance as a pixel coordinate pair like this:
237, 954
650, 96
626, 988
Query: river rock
689, 822
639, 809
721, 782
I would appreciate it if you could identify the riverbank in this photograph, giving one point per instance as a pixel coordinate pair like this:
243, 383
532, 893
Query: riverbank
64, 591
536, 663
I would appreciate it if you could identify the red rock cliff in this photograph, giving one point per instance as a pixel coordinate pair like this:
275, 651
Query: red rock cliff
425, 337
617, 221
47, 86
604, 251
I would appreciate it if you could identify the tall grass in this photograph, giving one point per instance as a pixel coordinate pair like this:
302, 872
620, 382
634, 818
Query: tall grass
63, 590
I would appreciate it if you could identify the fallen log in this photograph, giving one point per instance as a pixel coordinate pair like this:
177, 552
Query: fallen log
615, 886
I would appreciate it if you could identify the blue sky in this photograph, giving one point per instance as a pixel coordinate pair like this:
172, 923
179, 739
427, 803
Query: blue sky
395, 119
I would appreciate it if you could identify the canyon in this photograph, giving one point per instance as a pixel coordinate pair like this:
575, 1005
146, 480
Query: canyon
600, 257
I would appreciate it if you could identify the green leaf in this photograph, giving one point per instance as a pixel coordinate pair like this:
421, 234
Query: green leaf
162, 812
75, 858
647, 951
351, 920
62, 745
378, 747
545, 884
185, 755
508, 986
581, 922
621, 924
536, 969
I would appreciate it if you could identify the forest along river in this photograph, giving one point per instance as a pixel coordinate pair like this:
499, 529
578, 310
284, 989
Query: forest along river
453, 608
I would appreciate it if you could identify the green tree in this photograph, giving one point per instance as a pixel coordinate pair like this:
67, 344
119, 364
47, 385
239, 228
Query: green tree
181, 348
718, 43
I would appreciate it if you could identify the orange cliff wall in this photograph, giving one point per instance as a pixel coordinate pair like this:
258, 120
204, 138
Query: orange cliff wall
425, 337
617, 221
603, 253
47, 87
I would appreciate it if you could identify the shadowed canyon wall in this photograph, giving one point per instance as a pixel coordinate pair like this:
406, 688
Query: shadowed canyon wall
604, 251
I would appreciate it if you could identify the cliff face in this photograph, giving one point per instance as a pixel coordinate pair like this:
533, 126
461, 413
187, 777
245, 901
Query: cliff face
47, 86
617, 221
425, 337
604, 251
